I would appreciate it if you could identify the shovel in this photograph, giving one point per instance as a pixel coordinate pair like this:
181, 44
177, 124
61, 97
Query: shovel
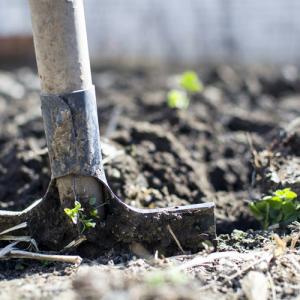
71, 125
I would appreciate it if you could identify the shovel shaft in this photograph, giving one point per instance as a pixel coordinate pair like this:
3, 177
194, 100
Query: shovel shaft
61, 45
63, 63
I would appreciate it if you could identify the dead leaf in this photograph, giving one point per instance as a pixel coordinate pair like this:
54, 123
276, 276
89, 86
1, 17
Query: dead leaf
280, 245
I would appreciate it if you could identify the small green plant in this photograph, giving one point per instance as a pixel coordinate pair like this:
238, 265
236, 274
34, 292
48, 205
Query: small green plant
178, 99
94, 213
190, 81
73, 213
282, 207
76, 214
188, 84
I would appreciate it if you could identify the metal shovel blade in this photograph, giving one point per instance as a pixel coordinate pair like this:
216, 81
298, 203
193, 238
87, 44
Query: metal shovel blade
165, 229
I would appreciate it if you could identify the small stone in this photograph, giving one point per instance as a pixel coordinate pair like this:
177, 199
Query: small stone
255, 286
115, 173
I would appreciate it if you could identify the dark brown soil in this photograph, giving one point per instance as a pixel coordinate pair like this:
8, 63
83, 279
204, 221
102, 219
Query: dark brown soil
154, 156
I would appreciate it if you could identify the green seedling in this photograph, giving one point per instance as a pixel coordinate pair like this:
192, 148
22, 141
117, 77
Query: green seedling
73, 213
178, 99
282, 207
94, 213
87, 223
76, 214
190, 82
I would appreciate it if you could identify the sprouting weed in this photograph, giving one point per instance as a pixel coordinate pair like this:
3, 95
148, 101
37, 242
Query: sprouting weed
76, 214
73, 213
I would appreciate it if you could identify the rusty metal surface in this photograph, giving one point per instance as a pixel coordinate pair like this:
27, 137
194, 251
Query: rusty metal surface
72, 134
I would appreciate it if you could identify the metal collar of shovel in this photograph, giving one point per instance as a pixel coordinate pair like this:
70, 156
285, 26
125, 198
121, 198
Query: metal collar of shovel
72, 133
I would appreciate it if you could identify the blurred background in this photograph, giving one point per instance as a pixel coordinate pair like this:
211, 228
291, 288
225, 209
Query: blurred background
155, 32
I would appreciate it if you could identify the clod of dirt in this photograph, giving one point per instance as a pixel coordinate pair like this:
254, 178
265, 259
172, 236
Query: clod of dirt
278, 166
161, 164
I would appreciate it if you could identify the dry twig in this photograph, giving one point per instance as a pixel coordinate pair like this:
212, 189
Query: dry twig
267, 257
200, 260
10, 251
175, 238
74, 243
48, 257
19, 226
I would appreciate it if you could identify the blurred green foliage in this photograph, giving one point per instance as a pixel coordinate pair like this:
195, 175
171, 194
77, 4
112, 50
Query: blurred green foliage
190, 81
178, 99
188, 84
282, 207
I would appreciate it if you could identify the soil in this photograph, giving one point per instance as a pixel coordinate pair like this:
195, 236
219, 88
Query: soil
156, 156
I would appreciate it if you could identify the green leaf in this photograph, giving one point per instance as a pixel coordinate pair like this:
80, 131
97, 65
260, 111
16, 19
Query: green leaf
68, 211
255, 211
94, 213
275, 198
77, 214
92, 201
178, 99
275, 203
190, 82
280, 207
77, 206
73, 213
262, 206
286, 194
88, 223
275, 216
288, 209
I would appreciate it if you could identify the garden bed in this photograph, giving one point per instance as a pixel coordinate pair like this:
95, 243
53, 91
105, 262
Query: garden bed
156, 156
